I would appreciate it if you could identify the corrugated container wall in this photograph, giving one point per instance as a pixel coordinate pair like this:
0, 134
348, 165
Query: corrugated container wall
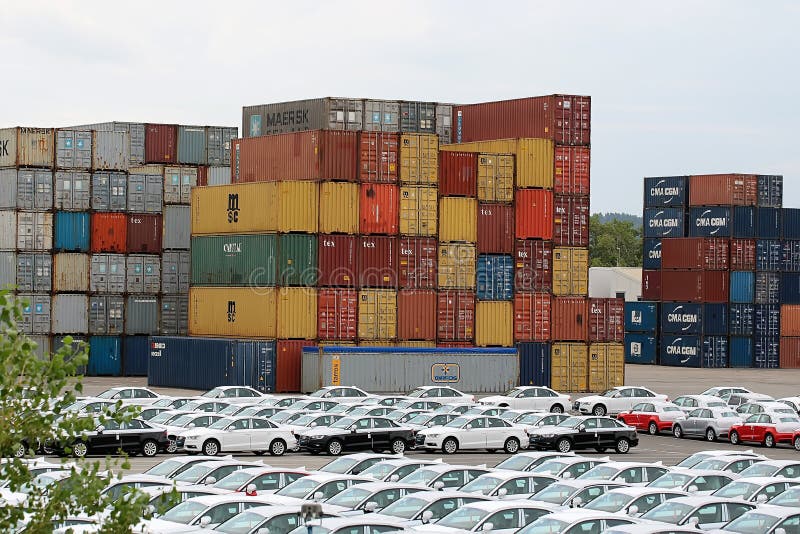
313, 114
418, 211
494, 324
641, 348
337, 314
379, 209
218, 145
569, 319
377, 261
36, 314
136, 135
192, 148
458, 219
160, 143
741, 319
111, 151
651, 285
34, 272
174, 315
534, 265
569, 367
444, 123
109, 191
338, 208
106, 315
34, 230
8, 269
534, 365
232, 312
606, 319
145, 193
297, 260
723, 190
570, 221
770, 191
791, 223
664, 191
378, 157
695, 286
107, 273
70, 314
533, 158
768, 223
495, 277
457, 265
177, 227
144, 233
744, 222
534, 209
681, 318
681, 350
338, 260
651, 254
27, 147
377, 314
141, 314
606, 366
570, 271
419, 159
743, 254
790, 353
571, 170
73, 149
716, 318
235, 209
178, 183
496, 178
143, 273
664, 222
695, 253
8, 189
72, 231
710, 222
742, 286
34, 189
297, 313
105, 356
416, 315
495, 229
417, 263
288, 364
458, 174
70, 273
532, 316
299, 207
136, 353
741, 352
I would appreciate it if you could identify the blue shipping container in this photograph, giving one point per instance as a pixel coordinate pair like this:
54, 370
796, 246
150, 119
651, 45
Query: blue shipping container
710, 221
790, 223
715, 319
715, 352
790, 288
71, 232
534, 364
681, 318
766, 352
135, 353
790, 256
651, 254
768, 255
743, 286
641, 317
770, 191
664, 222
105, 356
741, 319
767, 320
741, 351
680, 351
768, 288
641, 348
744, 221
495, 277
768, 223
663, 191
254, 365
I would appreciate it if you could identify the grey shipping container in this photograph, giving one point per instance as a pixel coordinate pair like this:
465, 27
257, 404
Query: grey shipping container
36, 314
141, 314
77, 342
444, 123
218, 144
107, 273
192, 145
106, 314
74, 149
143, 273
388, 369
34, 272
177, 227
8, 230
175, 271
70, 272
178, 183
381, 115
109, 191
72, 191
27, 147
145, 193
313, 114
34, 189
8, 189
219, 175
8, 269
42, 348
135, 137
418, 117
174, 315
34, 230
70, 313
111, 151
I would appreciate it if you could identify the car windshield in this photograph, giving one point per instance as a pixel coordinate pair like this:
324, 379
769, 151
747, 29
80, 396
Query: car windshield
281, 417
554, 493
212, 393
195, 473
350, 497
483, 485
419, 419
570, 422
671, 409
760, 469
529, 419
609, 393
230, 410
458, 422
340, 466
715, 464
76, 406
165, 468
669, 512
379, 471
694, 459
789, 497
417, 392
464, 518
192, 406
234, 481
107, 394
754, 522
740, 489
184, 512
304, 420
182, 420
162, 418
671, 480
600, 472
516, 463
513, 392
550, 467
358, 411
339, 408
610, 502
221, 424
407, 507
300, 488
544, 525
421, 476
344, 422
243, 523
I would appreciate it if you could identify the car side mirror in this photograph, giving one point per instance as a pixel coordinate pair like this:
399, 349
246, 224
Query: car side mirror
566, 476
582, 428
487, 527
251, 490
394, 478
100, 429
205, 521
633, 510
502, 492
210, 481
427, 515
780, 530
693, 489
576, 502
313, 424
191, 425
762, 498
439, 486
693, 521
263, 530
370, 507
318, 496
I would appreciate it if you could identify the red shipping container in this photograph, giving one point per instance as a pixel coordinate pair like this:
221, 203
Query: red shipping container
695, 253
379, 207
534, 216
338, 260
377, 261
532, 316
495, 229
606, 320
202, 175
315, 155
743, 254
378, 155
568, 321
458, 174
337, 314
109, 232
695, 286
533, 265
790, 353
160, 143
455, 316
790, 320
723, 190
288, 364
566, 119
651, 285
144, 233
416, 315
571, 172
418, 261
571, 221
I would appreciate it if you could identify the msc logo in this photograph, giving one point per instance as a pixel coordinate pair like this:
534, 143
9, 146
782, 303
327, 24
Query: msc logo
233, 208
231, 311
445, 372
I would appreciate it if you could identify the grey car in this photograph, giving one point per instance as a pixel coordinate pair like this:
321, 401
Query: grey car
710, 423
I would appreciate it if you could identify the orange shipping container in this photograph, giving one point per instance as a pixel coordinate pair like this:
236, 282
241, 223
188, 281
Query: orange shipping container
790, 353
790, 321
534, 217
723, 190
337, 314
532, 316
288, 364
378, 157
379, 206
416, 315
569, 319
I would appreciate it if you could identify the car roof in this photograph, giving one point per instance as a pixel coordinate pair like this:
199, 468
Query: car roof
435, 495
700, 396
505, 504
322, 476
652, 528
378, 486
569, 460
585, 483
765, 480
507, 474
535, 455
702, 500
698, 472
626, 465
272, 511
367, 456
211, 500
443, 468
575, 514
777, 511
255, 471
365, 519
734, 458
638, 491
728, 452
399, 462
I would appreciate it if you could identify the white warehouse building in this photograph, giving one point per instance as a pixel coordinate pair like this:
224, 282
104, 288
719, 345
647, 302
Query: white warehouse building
609, 282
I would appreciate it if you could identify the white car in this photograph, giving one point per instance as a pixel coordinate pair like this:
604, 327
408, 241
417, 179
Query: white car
689, 403
371, 497
277, 519
703, 512
372, 523
117, 486
509, 484
633, 501
429, 506
616, 400
422, 420
204, 512
574, 493
756, 489
445, 476
752, 408
442, 394
136, 396
455, 407
732, 464
395, 469
534, 421
633, 473
341, 394
473, 432
568, 466
766, 520
531, 398
791, 402
695, 481
237, 434
209, 472
501, 517
529, 460
316, 487
234, 394
578, 520
774, 468
258, 480
720, 391
694, 459
172, 467
310, 420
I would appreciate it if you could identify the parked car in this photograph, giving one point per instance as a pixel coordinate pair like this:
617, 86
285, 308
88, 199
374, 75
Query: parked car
765, 520
443, 476
509, 484
531, 398
171, 467
371, 496
695, 481
134, 436
357, 433
138, 396
256, 480
209, 472
710, 423
568, 466
733, 464
574, 493
201, 512
316, 487
577, 520
767, 429
420, 421
354, 464
442, 394
429, 506
616, 400
341, 394
720, 391
275, 519
791, 402
633, 473
472, 432
502, 517
528, 460
349, 525
689, 403
653, 416
394, 469
772, 407
234, 394
633, 501
694, 459
237, 434
773, 468
599, 433
704, 512
756, 489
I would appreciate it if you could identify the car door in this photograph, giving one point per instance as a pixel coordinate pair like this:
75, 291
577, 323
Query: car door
381, 429
709, 516
261, 434
281, 524
692, 422
474, 434
107, 441
497, 432
360, 436
236, 437
645, 503
452, 479
131, 434
442, 507
503, 521
586, 436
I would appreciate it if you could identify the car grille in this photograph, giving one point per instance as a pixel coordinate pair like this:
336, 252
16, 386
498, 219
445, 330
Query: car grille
180, 442
576, 405
419, 439
302, 440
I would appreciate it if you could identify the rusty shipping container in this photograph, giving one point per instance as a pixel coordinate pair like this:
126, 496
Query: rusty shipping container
418, 210
377, 314
330, 113
494, 324
743, 254
458, 218
455, 316
70, 273
495, 229
533, 158
651, 285
496, 178
379, 208
178, 184
378, 157
416, 315
565, 119
288, 364
417, 263
109, 232
534, 214
695, 253
723, 190
790, 353
377, 261
144, 233
532, 316
27, 147
694, 286
419, 158
790, 320
458, 174
337, 314
533, 265
338, 260
160, 143
571, 170
570, 221
606, 319
457, 266
569, 319
73, 149
111, 151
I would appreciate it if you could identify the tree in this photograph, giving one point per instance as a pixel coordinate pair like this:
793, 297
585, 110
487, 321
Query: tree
614, 243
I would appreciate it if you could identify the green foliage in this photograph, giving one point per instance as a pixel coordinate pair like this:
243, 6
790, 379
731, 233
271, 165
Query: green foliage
614, 243
615, 216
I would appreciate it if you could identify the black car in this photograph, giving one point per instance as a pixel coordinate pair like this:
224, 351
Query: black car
134, 437
599, 433
357, 434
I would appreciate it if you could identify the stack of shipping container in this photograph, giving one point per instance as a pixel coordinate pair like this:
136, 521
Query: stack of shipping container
721, 269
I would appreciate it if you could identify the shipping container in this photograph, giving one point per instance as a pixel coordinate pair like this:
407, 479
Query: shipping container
144, 234
70, 273
418, 211
337, 314
766, 352
495, 277
641, 317
299, 207
458, 174
141, 314
570, 271
417, 263
695, 286
494, 324
700, 253
73, 149
790, 256
8, 270
641, 348
297, 313
218, 145
135, 355
36, 313
338, 207
743, 286
745, 222
495, 229
72, 231
569, 321
378, 157
312, 114
496, 178
710, 221
160, 143
338, 260
381, 115
178, 184
770, 191
418, 117
417, 343
664, 222
106, 315
566, 119
768, 255
571, 170
109, 191
769, 223
444, 123
377, 344
111, 151
455, 345
533, 270
767, 320
651, 254
680, 350
741, 351
768, 288
532, 316
455, 312
416, 315
297, 260
457, 266
105, 356
143, 273
789, 357
651, 285
377, 314
569, 367
41, 347
34, 272
34, 230
534, 214
177, 227
288, 364
135, 137
533, 158
743, 254
715, 319
192, 147
715, 352
174, 315
214, 176
377, 261
34, 189
571, 221
233, 312
741, 319
145, 193
235, 209
27, 147
419, 159
606, 366
790, 320
70, 314
458, 219
107, 273
534, 364
789, 288
606, 319
8, 189
723, 190
666, 191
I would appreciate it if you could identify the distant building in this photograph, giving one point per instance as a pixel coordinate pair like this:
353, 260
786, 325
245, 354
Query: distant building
625, 282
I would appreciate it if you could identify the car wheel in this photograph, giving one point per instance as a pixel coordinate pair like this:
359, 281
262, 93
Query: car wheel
564, 445
711, 435
211, 447
172, 447
652, 428
623, 446
334, 447
734, 438
450, 446
511, 446
677, 431
79, 449
769, 441
277, 448
19, 451
398, 446
149, 448
599, 410
556, 408
797, 443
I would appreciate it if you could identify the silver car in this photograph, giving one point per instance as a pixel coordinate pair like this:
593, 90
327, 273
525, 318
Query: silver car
711, 423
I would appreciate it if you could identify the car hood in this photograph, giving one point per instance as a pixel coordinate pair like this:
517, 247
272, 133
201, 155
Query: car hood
494, 399
432, 528
159, 526
438, 429
195, 432
591, 398
550, 429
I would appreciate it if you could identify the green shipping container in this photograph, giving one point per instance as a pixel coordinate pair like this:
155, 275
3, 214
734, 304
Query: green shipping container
297, 260
234, 260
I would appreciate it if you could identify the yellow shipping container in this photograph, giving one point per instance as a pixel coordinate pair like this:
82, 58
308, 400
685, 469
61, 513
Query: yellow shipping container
299, 207
418, 210
232, 312
235, 209
377, 314
419, 158
457, 266
494, 324
534, 158
297, 313
496, 177
377, 344
338, 207
458, 219
337, 344
569, 367
606, 366
417, 344
570, 271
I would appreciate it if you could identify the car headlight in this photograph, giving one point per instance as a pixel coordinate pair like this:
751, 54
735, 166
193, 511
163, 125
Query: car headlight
547, 435
432, 436
317, 437
192, 438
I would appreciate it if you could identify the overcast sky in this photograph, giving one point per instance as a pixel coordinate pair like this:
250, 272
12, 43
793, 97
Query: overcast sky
678, 87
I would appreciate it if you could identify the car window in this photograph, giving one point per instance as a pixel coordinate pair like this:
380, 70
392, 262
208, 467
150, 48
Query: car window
706, 414
646, 502
351, 530
590, 526
625, 393
741, 465
354, 393
529, 515
283, 524
134, 424
641, 407
472, 474
790, 471
143, 394
480, 422
504, 519
589, 494
711, 513
696, 413
262, 423
332, 488
381, 423
452, 479
111, 425
578, 469
442, 508
497, 423
690, 402
380, 529
654, 472
363, 424
644, 393
240, 424
791, 524
222, 512
590, 423
386, 497
606, 423
631, 475
516, 486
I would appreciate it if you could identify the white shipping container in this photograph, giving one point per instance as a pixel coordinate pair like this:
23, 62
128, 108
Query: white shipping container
70, 314
8, 269
8, 230
177, 227
8, 189
71, 272
34, 230
72, 190
74, 149
111, 151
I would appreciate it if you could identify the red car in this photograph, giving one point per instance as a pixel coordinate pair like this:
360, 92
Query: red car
655, 416
767, 429
796, 440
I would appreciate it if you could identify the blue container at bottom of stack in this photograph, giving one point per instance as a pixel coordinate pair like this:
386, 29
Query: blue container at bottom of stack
641, 348
534, 364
